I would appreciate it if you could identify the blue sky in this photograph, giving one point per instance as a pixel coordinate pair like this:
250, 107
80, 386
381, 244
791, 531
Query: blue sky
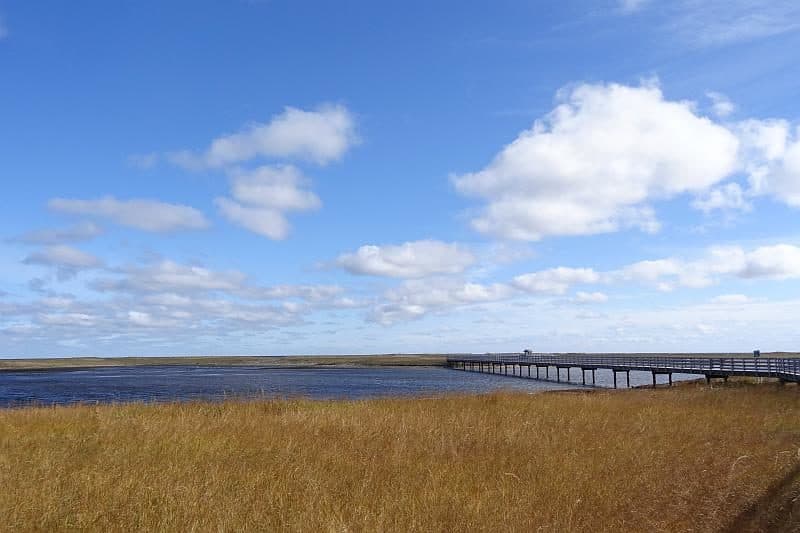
275, 177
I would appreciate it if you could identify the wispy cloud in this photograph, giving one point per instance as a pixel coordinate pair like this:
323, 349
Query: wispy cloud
144, 161
143, 214
719, 22
83, 231
629, 6
704, 23
65, 259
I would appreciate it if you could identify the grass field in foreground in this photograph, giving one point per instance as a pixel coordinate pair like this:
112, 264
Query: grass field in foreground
690, 458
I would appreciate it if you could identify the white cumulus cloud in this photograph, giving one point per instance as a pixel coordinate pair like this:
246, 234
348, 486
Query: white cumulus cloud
771, 156
170, 277
147, 215
779, 261
555, 280
594, 163
321, 135
408, 260
721, 105
728, 196
415, 298
261, 198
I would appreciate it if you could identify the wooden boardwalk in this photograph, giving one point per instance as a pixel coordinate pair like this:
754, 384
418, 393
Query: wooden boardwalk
514, 364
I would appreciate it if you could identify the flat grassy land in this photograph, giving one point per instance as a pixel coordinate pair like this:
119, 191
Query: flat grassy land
690, 458
298, 361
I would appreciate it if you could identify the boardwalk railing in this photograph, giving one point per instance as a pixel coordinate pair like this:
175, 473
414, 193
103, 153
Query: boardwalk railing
785, 369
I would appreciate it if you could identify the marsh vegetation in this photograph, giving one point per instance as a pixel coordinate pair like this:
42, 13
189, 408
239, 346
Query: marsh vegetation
689, 458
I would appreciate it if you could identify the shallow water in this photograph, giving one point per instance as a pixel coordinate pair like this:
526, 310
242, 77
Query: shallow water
169, 383
182, 383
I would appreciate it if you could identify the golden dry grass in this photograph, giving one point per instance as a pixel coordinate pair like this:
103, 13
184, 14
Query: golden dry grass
686, 459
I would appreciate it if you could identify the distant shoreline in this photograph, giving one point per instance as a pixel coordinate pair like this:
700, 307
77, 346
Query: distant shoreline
271, 361
281, 361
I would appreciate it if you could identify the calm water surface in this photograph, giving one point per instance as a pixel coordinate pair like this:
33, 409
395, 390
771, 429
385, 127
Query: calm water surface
169, 383
182, 383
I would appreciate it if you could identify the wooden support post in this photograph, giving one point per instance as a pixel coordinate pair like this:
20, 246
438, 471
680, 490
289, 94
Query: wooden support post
708, 379
529, 370
615, 378
568, 376
593, 376
670, 379
558, 374
547, 372
654, 380
628, 378
583, 375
